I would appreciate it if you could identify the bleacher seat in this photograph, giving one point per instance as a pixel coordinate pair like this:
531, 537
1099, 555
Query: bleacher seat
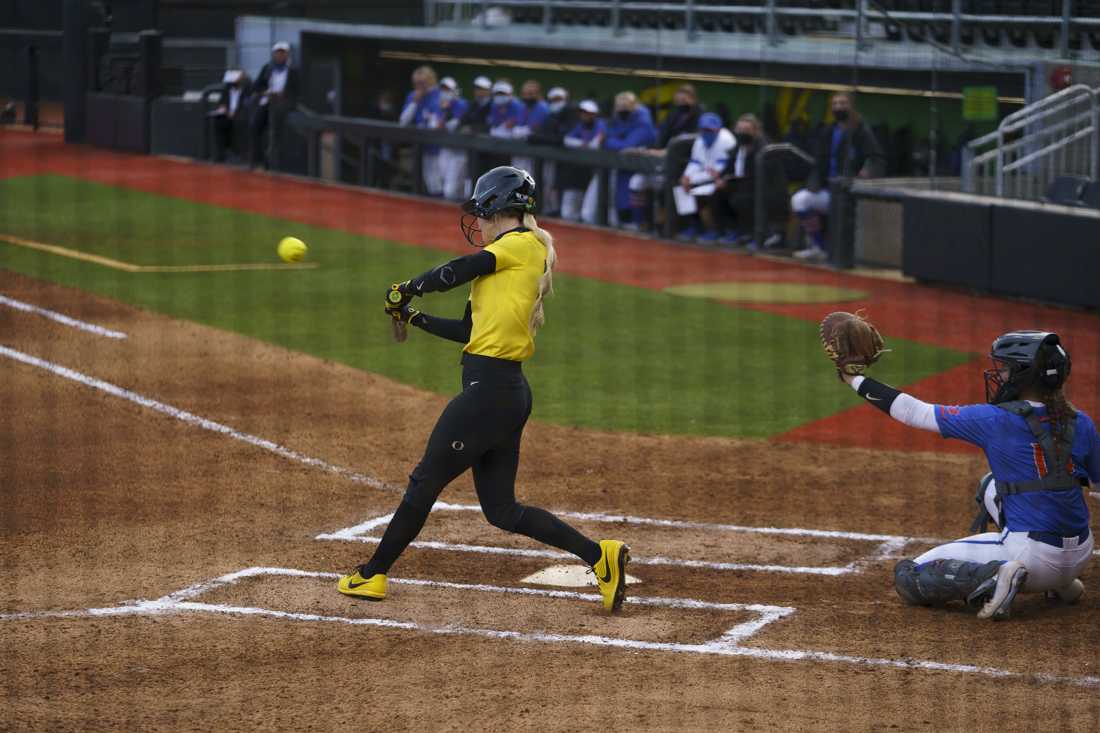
1066, 190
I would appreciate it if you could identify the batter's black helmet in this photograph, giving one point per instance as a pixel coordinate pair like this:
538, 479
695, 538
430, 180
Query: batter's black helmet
1031, 359
504, 188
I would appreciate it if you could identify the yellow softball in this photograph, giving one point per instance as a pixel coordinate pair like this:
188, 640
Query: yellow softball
291, 249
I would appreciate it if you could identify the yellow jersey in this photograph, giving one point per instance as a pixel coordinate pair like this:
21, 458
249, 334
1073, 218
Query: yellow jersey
502, 301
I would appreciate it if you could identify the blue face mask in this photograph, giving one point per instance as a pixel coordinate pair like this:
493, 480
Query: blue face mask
709, 136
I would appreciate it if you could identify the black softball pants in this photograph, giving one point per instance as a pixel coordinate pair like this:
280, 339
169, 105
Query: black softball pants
480, 429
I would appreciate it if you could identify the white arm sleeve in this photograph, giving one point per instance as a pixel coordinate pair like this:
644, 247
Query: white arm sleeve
908, 410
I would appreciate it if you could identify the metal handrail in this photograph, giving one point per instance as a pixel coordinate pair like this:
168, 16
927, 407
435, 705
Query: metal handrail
1031, 158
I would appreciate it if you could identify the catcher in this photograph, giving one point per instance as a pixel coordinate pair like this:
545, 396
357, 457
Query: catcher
1042, 451
482, 427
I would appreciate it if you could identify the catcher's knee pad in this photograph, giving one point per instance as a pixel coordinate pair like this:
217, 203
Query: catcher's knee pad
504, 516
940, 581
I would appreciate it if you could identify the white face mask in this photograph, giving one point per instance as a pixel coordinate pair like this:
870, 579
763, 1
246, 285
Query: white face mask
501, 99
447, 96
557, 106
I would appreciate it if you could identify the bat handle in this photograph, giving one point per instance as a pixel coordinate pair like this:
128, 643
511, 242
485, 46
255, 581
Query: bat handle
400, 331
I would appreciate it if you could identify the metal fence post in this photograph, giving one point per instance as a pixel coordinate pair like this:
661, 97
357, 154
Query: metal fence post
1096, 135
771, 25
1063, 37
603, 196
616, 18
548, 16
30, 104
956, 25
484, 15
861, 22
759, 213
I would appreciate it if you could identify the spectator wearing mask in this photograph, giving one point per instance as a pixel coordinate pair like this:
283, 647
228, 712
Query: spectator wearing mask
734, 200
562, 119
682, 119
475, 119
505, 114
535, 113
230, 118
845, 149
452, 161
631, 127
274, 94
421, 109
709, 155
578, 184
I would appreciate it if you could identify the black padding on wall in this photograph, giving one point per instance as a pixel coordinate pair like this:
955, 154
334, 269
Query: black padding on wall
1047, 254
947, 241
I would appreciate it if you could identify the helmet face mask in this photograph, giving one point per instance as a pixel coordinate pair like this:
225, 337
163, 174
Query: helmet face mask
502, 189
1023, 360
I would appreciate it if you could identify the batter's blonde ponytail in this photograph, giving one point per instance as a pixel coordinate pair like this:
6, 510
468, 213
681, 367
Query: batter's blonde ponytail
546, 282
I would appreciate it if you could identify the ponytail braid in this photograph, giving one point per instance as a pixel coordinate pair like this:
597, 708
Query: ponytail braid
546, 282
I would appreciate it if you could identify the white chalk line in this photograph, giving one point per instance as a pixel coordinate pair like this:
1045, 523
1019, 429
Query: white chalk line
728, 645
888, 547
61, 318
192, 419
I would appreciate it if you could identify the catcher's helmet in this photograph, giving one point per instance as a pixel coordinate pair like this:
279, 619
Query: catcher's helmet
1030, 358
503, 188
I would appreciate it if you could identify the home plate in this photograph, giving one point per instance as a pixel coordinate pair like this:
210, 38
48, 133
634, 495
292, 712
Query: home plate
569, 576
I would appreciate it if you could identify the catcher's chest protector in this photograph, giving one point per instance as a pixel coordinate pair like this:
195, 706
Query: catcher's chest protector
1058, 476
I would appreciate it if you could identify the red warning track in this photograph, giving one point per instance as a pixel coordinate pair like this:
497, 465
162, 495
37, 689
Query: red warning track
921, 313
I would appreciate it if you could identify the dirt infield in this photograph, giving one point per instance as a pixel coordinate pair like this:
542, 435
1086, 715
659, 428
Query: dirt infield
178, 480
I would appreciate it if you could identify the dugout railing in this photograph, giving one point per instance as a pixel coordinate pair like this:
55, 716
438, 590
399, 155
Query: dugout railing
370, 138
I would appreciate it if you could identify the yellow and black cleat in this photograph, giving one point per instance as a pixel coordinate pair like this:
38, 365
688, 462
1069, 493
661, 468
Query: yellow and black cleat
356, 586
610, 573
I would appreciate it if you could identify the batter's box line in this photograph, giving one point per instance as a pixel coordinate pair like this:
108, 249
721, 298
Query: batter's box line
888, 545
728, 644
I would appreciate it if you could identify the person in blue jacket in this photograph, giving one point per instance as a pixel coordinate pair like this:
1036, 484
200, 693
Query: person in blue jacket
631, 127
421, 109
505, 114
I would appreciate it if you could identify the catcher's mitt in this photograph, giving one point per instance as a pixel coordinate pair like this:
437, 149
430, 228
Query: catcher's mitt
851, 342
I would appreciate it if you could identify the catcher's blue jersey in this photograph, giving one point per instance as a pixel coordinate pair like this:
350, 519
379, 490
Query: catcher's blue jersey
1014, 456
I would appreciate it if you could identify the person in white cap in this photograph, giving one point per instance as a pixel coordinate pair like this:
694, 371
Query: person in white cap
563, 116
274, 94
505, 113
477, 113
421, 109
230, 118
452, 161
578, 183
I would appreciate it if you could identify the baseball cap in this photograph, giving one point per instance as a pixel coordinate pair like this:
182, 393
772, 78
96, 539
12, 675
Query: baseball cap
502, 87
590, 107
281, 46
557, 93
448, 83
482, 82
710, 121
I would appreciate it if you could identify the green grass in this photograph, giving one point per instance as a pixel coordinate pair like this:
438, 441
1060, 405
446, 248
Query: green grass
611, 356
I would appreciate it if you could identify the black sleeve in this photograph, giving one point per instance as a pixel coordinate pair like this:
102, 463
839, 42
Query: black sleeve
454, 273
878, 394
448, 328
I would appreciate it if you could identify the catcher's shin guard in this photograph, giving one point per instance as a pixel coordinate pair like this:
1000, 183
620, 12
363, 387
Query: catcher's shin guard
941, 581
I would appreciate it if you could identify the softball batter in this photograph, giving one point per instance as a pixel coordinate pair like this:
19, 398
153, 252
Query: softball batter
1042, 451
481, 428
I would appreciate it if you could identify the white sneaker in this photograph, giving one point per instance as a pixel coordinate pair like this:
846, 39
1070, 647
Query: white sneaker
1070, 594
1010, 579
810, 254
